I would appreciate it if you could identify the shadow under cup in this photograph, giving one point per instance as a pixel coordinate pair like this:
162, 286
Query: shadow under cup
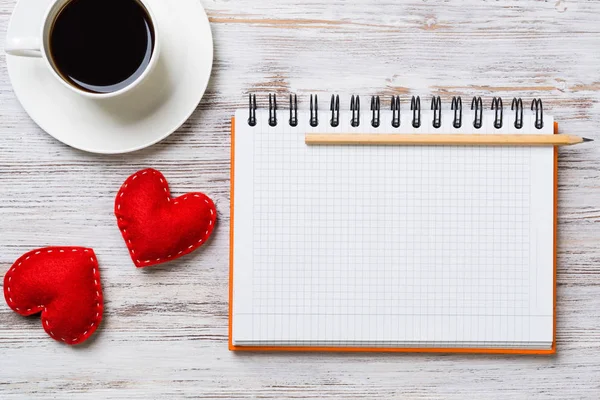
100, 46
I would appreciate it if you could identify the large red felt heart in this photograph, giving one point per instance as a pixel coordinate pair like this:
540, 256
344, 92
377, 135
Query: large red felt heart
156, 227
63, 283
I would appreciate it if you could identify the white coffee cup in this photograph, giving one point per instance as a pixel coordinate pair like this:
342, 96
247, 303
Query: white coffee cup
39, 47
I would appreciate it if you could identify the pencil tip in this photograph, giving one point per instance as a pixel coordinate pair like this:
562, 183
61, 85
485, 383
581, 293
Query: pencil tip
587, 139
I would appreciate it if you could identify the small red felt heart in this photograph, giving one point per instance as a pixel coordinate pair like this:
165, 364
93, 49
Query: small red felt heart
156, 227
63, 283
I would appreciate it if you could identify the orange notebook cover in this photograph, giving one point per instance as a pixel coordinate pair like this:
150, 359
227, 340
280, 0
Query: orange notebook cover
490, 350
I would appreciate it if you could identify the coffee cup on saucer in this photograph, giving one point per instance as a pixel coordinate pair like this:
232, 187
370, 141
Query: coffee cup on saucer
109, 76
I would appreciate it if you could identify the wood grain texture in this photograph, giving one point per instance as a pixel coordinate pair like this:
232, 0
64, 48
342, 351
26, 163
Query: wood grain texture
164, 333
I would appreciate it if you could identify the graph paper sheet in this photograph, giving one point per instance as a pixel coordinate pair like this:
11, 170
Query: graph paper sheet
391, 246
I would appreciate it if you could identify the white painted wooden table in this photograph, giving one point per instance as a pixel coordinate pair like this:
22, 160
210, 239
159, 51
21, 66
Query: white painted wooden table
165, 328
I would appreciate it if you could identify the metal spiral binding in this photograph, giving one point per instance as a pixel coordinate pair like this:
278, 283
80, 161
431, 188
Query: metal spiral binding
477, 105
517, 106
539, 113
314, 111
355, 108
293, 110
376, 110
335, 110
415, 106
272, 109
497, 106
396, 111
252, 110
457, 107
436, 106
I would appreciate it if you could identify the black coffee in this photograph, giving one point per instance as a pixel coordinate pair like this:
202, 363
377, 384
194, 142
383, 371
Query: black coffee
102, 46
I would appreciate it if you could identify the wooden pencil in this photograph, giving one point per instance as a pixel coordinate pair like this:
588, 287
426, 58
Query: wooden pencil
438, 139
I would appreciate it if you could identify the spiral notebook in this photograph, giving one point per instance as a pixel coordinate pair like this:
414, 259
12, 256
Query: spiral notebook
391, 248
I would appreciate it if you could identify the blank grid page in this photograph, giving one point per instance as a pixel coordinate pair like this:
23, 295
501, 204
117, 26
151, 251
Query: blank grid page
391, 246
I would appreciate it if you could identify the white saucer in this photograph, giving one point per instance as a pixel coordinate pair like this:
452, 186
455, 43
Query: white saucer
147, 114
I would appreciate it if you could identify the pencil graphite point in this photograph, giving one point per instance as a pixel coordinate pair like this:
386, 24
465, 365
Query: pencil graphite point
587, 139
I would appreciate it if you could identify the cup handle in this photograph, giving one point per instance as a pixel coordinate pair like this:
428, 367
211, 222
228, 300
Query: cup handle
24, 47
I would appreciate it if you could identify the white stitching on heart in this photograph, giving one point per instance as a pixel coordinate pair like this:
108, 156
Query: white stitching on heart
190, 248
42, 308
